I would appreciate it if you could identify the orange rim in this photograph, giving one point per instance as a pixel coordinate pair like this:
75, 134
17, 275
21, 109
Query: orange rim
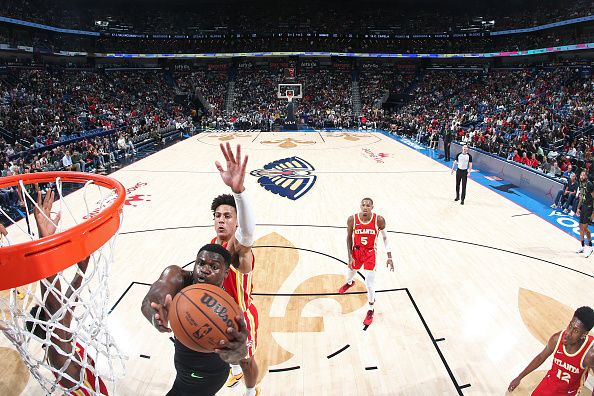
31, 261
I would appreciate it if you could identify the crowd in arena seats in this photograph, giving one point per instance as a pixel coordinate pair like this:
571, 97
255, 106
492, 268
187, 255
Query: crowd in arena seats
210, 85
59, 118
255, 101
376, 86
327, 98
326, 101
531, 116
47, 105
540, 117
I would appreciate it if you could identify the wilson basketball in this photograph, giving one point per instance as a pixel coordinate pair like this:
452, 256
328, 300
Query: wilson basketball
200, 315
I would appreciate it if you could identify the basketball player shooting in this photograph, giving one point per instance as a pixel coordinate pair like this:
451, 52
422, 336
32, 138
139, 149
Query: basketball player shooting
235, 228
74, 372
197, 373
574, 356
362, 231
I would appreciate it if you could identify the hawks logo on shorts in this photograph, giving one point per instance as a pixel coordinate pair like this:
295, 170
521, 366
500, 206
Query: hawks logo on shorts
289, 177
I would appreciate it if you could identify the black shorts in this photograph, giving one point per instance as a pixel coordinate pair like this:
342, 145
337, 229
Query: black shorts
585, 214
190, 383
198, 374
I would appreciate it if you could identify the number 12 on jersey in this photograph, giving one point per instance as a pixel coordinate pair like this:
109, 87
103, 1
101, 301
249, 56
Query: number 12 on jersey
563, 376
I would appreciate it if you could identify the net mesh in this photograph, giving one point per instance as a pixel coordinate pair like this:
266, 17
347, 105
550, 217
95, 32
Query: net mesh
59, 324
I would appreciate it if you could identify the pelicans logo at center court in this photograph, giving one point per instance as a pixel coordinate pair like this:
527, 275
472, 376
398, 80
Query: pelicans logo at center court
289, 177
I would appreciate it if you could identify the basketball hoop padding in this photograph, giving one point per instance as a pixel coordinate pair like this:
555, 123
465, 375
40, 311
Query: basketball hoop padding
29, 262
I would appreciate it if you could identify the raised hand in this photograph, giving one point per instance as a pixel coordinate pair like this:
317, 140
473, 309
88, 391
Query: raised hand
235, 173
161, 317
234, 349
46, 225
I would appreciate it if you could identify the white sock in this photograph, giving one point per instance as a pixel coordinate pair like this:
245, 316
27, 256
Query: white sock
370, 282
236, 369
250, 392
351, 276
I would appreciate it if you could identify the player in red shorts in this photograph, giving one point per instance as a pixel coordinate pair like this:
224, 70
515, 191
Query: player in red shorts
235, 226
573, 357
362, 231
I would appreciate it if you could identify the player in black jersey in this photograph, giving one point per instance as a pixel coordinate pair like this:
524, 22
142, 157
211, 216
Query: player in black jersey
198, 374
584, 211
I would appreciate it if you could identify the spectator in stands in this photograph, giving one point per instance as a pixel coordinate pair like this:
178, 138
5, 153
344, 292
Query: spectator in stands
533, 162
555, 170
566, 196
68, 164
514, 156
434, 140
568, 172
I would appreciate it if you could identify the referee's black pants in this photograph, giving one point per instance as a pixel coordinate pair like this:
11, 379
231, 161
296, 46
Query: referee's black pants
461, 176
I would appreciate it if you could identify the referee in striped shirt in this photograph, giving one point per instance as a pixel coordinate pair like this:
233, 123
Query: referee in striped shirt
464, 162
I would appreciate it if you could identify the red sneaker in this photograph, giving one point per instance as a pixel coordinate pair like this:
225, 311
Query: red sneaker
346, 287
368, 318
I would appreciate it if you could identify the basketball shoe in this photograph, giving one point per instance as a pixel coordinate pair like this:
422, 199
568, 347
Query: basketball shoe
346, 287
580, 249
368, 318
588, 251
233, 380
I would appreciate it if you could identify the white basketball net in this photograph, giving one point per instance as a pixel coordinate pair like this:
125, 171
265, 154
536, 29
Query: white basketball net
88, 305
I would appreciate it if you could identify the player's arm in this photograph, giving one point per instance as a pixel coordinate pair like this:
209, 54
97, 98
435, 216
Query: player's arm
381, 224
3, 231
536, 362
589, 361
155, 305
62, 344
469, 163
234, 177
46, 226
350, 228
577, 211
244, 235
454, 165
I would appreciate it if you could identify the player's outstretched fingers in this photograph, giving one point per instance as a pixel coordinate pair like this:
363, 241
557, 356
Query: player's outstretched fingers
161, 316
223, 149
230, 156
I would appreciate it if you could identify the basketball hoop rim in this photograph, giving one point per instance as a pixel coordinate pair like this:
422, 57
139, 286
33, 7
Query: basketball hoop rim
31, 261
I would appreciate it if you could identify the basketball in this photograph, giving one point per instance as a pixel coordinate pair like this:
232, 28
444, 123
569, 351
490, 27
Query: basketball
200, 315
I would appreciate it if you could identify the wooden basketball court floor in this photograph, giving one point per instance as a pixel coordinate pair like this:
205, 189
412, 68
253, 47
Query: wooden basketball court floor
474, 297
